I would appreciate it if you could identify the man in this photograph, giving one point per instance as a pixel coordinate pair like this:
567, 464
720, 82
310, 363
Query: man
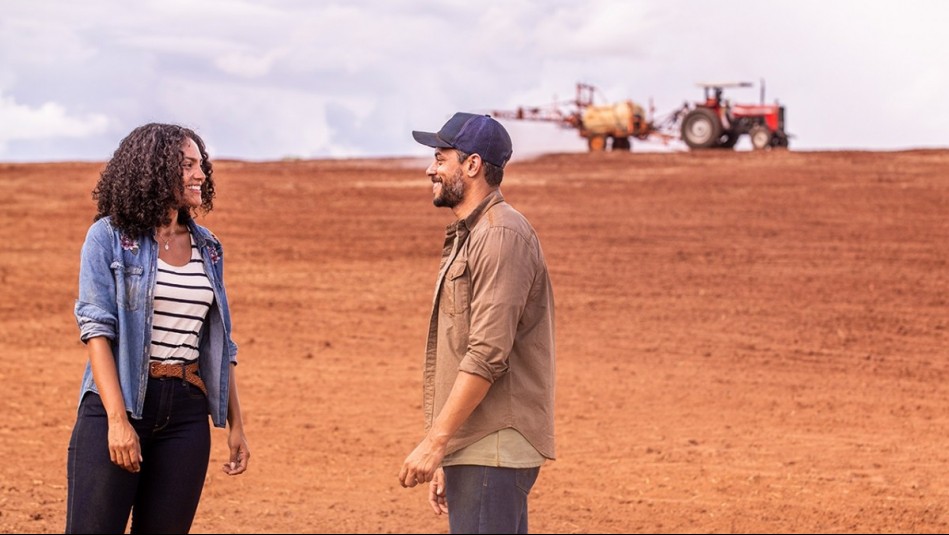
489, 362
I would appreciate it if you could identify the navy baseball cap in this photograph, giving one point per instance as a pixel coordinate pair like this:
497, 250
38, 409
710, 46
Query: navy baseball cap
472, 134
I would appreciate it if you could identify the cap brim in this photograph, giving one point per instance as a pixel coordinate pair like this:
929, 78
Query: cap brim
430, 139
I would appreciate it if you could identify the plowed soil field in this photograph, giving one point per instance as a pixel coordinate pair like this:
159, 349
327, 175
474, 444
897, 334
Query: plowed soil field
746, 342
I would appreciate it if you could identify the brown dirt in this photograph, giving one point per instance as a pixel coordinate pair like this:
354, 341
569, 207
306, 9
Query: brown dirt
747, 342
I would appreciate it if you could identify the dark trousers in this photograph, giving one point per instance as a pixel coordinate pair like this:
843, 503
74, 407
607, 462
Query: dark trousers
175, 437
487, 499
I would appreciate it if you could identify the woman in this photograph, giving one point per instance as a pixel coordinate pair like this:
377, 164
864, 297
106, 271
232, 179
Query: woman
154, 316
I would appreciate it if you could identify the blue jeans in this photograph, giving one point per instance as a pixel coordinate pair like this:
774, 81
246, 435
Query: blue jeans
487, 499
163, 496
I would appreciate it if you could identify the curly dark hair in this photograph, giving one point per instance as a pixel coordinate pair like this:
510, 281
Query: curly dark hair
143, 179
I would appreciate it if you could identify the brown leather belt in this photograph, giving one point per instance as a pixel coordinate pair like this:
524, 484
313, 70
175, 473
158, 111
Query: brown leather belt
188, 372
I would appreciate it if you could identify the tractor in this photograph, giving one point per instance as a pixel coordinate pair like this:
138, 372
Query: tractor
712, 123
716, 123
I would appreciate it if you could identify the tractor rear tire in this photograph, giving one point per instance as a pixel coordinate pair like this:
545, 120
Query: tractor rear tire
701, 129
760, 137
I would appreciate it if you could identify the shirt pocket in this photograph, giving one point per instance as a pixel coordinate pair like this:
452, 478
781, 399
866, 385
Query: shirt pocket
129, 284
456, 291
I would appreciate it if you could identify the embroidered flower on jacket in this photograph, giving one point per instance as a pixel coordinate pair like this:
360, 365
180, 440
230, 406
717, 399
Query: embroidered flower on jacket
214, 250
129, 244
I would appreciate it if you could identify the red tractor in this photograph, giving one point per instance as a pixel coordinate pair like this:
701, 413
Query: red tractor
716, 123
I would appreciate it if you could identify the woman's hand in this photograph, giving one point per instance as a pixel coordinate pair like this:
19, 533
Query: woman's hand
124, 447
239, 453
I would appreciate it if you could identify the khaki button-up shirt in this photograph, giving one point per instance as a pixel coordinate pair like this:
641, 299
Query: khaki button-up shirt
493, 316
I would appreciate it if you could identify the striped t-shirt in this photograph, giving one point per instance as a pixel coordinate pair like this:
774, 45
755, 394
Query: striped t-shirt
183, 296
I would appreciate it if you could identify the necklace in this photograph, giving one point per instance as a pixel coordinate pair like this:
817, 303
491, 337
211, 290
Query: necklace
164, 239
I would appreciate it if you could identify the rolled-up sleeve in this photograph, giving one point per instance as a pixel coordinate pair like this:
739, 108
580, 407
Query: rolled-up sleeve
94, 321
502, 272
96, 308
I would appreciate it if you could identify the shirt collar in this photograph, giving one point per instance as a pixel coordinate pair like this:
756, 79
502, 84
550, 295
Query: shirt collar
490, 200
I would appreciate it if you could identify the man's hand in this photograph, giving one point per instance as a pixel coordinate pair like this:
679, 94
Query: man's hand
420, 466
436, 493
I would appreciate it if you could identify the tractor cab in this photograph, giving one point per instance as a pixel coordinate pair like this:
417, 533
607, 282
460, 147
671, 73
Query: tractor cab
713, 96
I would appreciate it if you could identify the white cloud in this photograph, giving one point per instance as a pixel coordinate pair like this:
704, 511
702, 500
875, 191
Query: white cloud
592, 31
50, 120
248, 64
41, 42
293, 77
254, 124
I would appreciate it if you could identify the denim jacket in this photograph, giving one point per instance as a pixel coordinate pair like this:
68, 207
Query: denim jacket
116, 287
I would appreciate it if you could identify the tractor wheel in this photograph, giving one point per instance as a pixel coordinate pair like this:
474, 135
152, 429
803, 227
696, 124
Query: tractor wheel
621, 143
596, 143
728, 140
701, 129
780, 140
760, 137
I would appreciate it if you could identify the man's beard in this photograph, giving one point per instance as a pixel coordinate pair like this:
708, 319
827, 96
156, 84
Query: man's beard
452, 193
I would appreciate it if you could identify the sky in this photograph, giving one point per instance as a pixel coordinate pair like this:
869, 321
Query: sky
269, 80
